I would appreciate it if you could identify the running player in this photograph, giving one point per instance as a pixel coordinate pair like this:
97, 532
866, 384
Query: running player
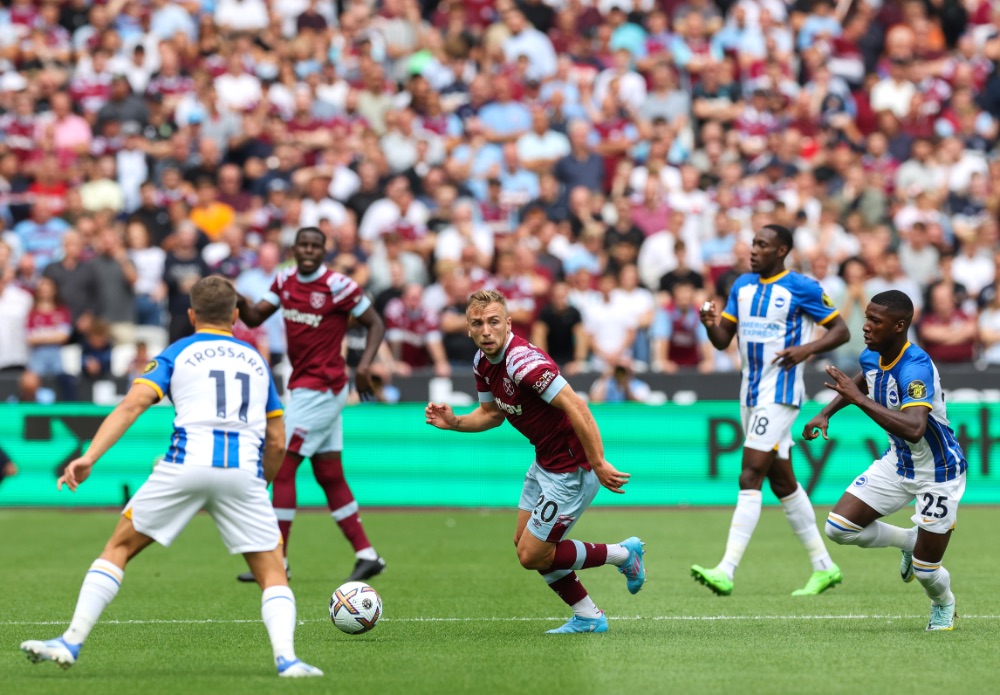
900, 389
227, 444
317, 304
774, 311
519, 382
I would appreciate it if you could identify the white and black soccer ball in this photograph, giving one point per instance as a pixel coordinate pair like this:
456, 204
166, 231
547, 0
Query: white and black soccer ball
355, 608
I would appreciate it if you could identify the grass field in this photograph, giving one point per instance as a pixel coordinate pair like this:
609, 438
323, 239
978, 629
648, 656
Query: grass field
461, 616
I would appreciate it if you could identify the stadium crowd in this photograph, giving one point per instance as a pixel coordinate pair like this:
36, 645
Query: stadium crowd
604, 163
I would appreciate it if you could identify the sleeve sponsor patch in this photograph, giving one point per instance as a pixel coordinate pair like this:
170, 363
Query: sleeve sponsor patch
916, 390
543, 381
150, 367
827, 302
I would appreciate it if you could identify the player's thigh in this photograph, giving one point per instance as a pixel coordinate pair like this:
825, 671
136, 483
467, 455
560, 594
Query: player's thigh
768, 427
881, 488
563, 498
167, 501
312, 421
242, 511
523, 516
937, 504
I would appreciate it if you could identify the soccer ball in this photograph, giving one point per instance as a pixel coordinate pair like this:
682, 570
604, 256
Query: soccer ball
355, 608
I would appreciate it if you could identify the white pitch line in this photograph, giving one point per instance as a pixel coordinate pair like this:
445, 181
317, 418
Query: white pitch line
682, 618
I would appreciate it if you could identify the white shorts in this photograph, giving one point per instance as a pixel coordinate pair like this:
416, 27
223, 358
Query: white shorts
236, 499
313, 423
768, 427
886, 491
556, 500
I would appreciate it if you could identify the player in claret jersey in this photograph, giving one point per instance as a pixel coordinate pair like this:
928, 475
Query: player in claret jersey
518, 381
317, 304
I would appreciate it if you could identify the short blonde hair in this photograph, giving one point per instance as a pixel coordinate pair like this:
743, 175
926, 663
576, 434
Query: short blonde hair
478, 301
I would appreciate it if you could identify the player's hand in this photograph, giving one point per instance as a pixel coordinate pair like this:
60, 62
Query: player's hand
363, 384
76, 472
820, 422
611, 478
708, 314
440, 415
789, 357
844, 385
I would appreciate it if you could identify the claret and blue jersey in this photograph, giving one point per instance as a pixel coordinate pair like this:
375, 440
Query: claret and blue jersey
772, 314
908, 381
217, 385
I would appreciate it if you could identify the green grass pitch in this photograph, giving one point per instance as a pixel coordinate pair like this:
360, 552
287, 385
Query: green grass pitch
462, 617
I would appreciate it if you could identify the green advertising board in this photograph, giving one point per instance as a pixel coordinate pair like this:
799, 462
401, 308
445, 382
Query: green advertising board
677, 455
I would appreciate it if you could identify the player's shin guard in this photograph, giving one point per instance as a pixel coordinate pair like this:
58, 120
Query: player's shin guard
878, 534
283, 498
568, 587
100, 587
343, 507
741, 529
935, 580
802, 518
576, 555
277, 608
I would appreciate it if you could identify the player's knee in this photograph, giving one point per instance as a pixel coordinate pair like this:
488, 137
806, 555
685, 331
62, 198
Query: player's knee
751, 479
531, 560
783, 488
840, 531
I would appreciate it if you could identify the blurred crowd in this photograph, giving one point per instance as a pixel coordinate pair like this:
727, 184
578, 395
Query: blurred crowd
604, 163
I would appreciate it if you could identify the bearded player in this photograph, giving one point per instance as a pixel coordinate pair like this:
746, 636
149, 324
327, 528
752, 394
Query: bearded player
317, 304
519, 382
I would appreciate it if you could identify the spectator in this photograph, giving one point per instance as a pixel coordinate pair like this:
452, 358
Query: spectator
95, 346
148, 261
679, 339
254, 283
891, 276
414, 333
459, 350
619, 386
182, 268
77, 282
989, 331
209, 214
42, 234
609, 327
116, 278
558, 331
640, 304
15, 307
946, 332
582, 166
49, 326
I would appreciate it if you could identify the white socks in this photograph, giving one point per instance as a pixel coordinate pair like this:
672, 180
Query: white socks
366, 554
802, 518
100, 586
277, 608
745, 519
935, 580
586, 608
617, 554
876, 535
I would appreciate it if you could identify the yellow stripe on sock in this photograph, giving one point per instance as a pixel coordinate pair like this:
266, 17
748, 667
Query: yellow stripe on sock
841, 521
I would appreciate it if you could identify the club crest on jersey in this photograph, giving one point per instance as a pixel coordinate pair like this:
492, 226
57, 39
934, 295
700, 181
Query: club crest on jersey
892, 398
916, 389
827, 302
508, 386
317, 300
779, 302
149, 367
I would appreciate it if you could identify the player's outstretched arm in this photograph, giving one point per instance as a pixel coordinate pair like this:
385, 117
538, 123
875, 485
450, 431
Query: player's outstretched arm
586, 429
910, 423
274, 447
254, 314
485, 417
135, 403
720, 329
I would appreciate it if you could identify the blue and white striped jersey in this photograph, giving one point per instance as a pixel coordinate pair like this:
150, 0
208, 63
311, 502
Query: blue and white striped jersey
772, 314
223, 395
912, 380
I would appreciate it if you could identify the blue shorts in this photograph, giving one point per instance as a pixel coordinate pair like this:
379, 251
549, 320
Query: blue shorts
312, 421
556, 500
